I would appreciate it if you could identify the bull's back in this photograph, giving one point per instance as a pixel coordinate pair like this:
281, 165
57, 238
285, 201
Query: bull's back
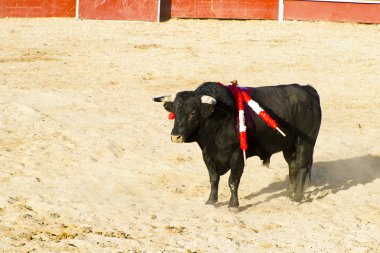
296, 108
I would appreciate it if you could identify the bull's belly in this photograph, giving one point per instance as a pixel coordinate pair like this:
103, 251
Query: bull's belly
222, 161
223, 170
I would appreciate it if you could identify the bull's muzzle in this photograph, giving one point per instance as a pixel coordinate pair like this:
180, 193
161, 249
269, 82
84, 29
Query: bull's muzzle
177, 138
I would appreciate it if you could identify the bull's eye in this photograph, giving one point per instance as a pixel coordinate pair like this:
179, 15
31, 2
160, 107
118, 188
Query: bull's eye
192, 114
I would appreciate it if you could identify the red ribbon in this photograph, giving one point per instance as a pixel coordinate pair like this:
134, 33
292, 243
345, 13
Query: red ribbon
239, 97
242, 96
171, 115
271, 122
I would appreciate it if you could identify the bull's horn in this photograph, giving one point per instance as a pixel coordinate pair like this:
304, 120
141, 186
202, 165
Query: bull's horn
208, 100
167, 98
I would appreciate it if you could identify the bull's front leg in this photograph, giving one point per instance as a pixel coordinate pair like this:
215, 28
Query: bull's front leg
214, 181
214, 178
237, 167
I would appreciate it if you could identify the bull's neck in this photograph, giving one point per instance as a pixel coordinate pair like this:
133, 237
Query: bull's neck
223, 118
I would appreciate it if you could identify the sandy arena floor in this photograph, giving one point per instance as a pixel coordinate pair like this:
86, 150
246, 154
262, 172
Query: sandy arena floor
86, 162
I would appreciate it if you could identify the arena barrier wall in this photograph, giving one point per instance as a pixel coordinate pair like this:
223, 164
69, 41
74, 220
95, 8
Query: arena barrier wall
363, 11
354, 11
37, 8
143, 10
223, 9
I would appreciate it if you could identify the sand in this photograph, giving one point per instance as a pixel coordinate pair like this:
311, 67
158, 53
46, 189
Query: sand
86, 162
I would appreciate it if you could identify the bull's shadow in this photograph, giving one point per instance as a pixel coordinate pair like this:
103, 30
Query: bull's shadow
327, 178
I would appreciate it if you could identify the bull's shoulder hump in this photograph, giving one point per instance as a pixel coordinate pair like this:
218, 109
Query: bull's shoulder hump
289, 88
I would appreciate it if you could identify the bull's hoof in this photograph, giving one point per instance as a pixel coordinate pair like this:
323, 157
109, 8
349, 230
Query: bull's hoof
234, 209
211, 202
290, 191
233, 204
298, 198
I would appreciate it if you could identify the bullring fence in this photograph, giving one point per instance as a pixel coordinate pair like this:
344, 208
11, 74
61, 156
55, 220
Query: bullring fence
367, 11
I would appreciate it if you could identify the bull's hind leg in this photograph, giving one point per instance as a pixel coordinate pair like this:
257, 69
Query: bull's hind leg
290, 156
304, 161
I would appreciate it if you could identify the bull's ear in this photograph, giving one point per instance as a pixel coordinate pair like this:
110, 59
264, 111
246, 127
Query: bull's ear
169, 106
208, 104
207, 110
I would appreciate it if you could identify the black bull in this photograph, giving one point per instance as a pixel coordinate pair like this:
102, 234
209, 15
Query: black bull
208, 116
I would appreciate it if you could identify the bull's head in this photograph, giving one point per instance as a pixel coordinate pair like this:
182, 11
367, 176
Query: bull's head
190, 110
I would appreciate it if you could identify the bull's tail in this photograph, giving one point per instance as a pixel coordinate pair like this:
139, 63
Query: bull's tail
309, 168
266, 162
309, 176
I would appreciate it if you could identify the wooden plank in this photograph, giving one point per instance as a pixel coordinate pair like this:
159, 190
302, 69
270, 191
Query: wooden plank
61, 8
223, 9
349, 1
143, 10
181, 8
332, 11
37, 8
